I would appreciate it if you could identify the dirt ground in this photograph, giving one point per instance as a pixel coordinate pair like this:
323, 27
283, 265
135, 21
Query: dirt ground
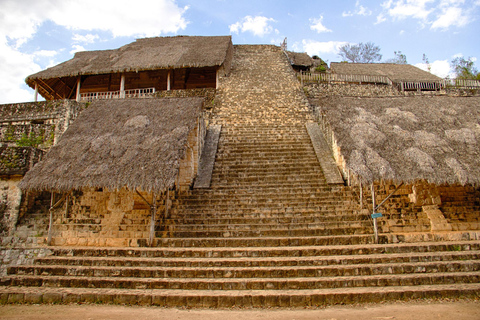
418, 310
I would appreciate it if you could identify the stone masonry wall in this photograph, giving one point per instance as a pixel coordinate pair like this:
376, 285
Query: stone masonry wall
10, 200
39, 124
45, 120
316, 90
189, 164
100, 217
423, 207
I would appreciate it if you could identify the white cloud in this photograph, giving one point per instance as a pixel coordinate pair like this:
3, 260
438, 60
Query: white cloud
439, 14
77, 48
402, 9
45, 53
359, 10
313, 47
452, 16
15, 67
318, 26
19, 21
380, 18
88, 38
440, 68
258, 25
143, 18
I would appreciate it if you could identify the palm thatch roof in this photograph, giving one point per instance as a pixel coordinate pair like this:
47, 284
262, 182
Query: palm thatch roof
143, 54
408, 138
300, 58
133, 143
396, 72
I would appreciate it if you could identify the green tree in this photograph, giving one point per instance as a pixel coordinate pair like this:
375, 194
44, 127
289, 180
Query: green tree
425, 61
360, 53
465, 68
400, 58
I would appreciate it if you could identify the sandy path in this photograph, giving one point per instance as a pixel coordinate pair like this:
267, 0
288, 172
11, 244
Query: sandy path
418, 310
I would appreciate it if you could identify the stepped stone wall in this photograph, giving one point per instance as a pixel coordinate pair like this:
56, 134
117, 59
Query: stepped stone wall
43, 122
317, 90
10, 200
100, 217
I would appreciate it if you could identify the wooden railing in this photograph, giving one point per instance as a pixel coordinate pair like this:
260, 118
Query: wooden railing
350, 78
462, 84
132, 93
427, 85
402, 85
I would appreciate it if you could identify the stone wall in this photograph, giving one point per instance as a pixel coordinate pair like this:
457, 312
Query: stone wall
317, 90
10, 201
100, 217
189, 164
20, 256
42, 121
423, 207
26, 131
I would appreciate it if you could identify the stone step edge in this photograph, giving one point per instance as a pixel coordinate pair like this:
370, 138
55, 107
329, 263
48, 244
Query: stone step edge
213, 260
426, 244
360, 266
237, 298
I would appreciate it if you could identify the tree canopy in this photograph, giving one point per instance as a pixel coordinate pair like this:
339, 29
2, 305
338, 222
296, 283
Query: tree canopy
400, 58
465, 68
360, 53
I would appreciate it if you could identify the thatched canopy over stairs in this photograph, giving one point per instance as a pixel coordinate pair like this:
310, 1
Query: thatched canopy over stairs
269, 232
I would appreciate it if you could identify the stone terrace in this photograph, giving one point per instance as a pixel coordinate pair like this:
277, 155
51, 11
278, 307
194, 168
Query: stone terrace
269, 232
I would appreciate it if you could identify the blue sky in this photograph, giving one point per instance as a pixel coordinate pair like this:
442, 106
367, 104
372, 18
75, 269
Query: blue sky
36, 34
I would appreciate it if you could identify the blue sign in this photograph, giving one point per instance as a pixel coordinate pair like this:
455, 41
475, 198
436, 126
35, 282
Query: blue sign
376, 215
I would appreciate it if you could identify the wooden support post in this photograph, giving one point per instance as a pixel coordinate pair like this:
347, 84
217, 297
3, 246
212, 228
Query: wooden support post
217, 77
152, 219
167, 204
78, 90
169, 74
375, 226
50, 222
122, 86
36, 92
361, 195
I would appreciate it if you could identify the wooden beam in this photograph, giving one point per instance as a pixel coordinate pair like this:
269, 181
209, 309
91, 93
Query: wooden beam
52, 95
77, 98
66, 86
169, 73
36, 91
122, 86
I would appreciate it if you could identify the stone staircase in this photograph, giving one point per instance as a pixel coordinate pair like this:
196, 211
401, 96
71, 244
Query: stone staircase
269, 232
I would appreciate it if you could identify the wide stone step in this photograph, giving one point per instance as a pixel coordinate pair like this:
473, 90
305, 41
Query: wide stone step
229, 233
235, 298
265, 241
257, 283
253, 207
267, 227
281, 220
262, 185
284, 261
274, 202
229, 272
255, 212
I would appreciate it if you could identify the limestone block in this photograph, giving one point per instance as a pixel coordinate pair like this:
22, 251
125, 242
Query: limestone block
437, 219
424, 194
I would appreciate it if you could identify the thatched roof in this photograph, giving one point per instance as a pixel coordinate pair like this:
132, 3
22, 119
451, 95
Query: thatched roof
395, 72
133, 143
300, 58
408, 138
143, 54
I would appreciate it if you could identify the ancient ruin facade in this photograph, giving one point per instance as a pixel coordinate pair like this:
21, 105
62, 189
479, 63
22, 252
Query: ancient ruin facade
222, 157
